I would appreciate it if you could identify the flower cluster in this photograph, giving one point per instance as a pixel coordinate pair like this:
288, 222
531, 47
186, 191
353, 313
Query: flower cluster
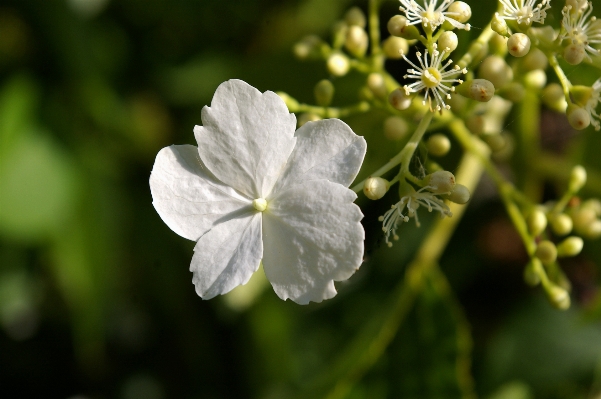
431, 16
581, 29
525, 12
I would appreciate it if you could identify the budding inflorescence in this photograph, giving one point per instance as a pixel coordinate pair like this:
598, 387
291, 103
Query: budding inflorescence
525, 12
582, 31
432, 16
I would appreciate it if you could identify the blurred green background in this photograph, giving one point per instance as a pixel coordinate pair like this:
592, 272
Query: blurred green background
96, 299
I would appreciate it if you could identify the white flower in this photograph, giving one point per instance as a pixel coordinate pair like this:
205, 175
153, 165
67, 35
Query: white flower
581, 30
412, 201
433, 77
429, 14
525, 11
255, 190
592, 103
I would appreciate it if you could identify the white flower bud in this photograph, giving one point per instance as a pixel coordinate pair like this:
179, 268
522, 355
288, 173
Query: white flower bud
355, 16
531, 276
395, 128
536, 79
377, 85
481, 90
438, 145
558, 297
397, 26
583, 218
448, 40
561, 224
324, 92
440, 182
460, 11
574, 53
592, 230
308, 47
338, 64
394, 47
356, 41
554, 98
399, 99
518, 44
496, 70
577, 178
374, 188
535, 59
537, 222
546, 251
579, 118
571, 246
499, 25
307, 117
460, 194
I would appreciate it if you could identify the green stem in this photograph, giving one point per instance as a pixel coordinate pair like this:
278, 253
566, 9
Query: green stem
374, 27
563, 79
529, 148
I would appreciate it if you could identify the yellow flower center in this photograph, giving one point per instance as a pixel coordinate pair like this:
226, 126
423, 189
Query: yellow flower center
431, 77
260, 204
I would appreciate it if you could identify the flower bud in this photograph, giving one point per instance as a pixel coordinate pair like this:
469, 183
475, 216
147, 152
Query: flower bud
438, 145
498, 45
395, 46
571, 246
535, 59
374, 188
460, 11
578, 117
307, 117
592, 230
499, 25
324, 92
356, 41
546, 251
460, 194
338, 64
398, 99
355, 16
395, 128
558, 297
377, 85
478, 89
531, 276
440, 182
561, 224
397, 26
577, 178
537, 222
536, 79
496, 70
308, 47
583, 217
574, 53
518, 44
448, 40
554, 98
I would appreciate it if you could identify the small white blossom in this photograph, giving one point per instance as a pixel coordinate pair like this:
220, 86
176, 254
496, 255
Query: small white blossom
580, 29
525, 11
254, 190
412, 202
429, 15
432, 76
591, 104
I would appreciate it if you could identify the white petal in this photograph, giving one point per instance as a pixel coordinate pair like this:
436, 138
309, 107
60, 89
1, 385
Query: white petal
246, 138
186, 196
227, 255
312, 235
326, 149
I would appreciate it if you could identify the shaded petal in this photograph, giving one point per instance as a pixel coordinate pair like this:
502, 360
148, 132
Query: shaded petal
312, 235
246, 137
326, 149
227, 255
186, 196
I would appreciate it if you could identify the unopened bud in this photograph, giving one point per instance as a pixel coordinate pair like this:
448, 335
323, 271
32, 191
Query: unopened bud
395, 128
356, 41
536, 79
307, 117
355, 16
496, 70
592, 230
397, 26
574, 53
554, 98
460, 11
578, 117
518, 44
531, 276
399, 99
535, 59
498, 45
558, 297
395, 46
374, 188
577, 178
571, 246
460, 194
561, 224
338, 64
440, 182
478, 89
377, 85
537, 222
546, 251
499, 25
308, 47
438, 145
324, 92
583, 217
448, 40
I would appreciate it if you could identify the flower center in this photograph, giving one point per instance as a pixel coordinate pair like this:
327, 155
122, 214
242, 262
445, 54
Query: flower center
431, 77
260, 204
524, 14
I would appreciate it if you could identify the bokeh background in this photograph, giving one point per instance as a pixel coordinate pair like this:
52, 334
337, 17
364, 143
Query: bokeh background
96, 299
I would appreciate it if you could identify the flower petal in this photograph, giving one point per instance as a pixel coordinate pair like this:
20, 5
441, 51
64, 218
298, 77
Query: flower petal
312, 236
326, 149
227, 255
186, 196
246, 137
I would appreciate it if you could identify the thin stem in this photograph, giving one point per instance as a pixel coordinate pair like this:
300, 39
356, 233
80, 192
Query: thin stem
563, 79
529, 148
374, 27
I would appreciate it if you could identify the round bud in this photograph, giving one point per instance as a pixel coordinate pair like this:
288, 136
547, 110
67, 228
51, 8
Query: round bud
395, 46
440, 182
307, 117
324, 92
448, 40
395, 128
535, 59
518, 44
514, 92
374, 188
499, 25
307, 48
574, 53
495, 70
459, 11
356, 41
537, 222
531, 276
438, 145
578, 117
577, 178
554, 98
571, 246
397, 26
338, 64
399, 99
536, 79
355, 16
583, 217
561, 224
558, 297
592, 230
593, 204
481, 90
546, 251
377, 85
460, 194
